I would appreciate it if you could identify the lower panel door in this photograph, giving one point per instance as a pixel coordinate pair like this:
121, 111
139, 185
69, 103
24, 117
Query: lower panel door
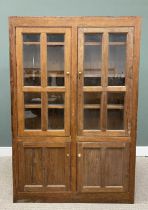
44, 167
103, 167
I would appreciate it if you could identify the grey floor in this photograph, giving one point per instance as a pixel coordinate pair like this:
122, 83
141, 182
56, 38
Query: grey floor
141, 195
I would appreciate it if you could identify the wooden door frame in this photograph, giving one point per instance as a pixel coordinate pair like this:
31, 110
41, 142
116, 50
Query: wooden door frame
74, 23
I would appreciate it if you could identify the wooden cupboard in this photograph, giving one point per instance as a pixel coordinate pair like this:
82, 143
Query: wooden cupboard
74, 86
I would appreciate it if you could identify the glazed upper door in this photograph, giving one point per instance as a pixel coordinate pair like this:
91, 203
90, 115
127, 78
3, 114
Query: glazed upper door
104, 80
43, 80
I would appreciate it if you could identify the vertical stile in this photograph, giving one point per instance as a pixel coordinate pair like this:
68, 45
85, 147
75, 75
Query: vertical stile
103, 153
21, 167
44, 158
74, 110
67, 165
104, 80
80, 80
67, 75
44, 110
80, 183
20, 95
128, 81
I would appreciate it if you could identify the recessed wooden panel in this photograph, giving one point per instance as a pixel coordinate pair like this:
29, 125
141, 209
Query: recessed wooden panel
113, 167
55, 166
117, 167
33, 166
92, 166
89, 167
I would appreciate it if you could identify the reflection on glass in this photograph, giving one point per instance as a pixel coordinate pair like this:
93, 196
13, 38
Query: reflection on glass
115, 119
31, 37
92, 59
55, 119
116, 98
32, 118
55, 65
92, 119
55, 37
117, 59
55, 98
31, 64
32, 98
92, 98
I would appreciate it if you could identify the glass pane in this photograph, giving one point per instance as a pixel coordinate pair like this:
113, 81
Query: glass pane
55, 65
92, 60
92, 98
116, 98
55, 98
118, 37
32, 98
55, 119
117, 59
31, 37
32, 118
31, 63
115, 119
55, 38
93, 37
92, 119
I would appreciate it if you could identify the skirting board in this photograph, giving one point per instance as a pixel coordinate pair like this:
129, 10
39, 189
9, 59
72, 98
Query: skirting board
5, 151
140, 151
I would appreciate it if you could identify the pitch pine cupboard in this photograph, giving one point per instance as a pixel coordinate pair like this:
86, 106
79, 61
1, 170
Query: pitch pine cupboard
74, 84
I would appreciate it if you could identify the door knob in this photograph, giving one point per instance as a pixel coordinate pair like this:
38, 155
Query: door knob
67, 73
80, 72
67, 155
79, 155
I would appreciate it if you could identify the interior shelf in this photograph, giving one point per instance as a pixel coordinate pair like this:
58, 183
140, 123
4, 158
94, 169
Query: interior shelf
56, 106
93, 43
97, 73
35, 72
32, 106
97, 106
52, 106
100, 43
48, 43
31, 43
117, 43
55, 43
91, 106
115, 106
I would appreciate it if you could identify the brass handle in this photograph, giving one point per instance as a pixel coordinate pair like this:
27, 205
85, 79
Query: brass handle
67, 73
80, 72
67, 155
79, 155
